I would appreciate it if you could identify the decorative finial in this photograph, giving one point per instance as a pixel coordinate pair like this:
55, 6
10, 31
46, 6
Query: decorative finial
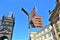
57, 1
49, 11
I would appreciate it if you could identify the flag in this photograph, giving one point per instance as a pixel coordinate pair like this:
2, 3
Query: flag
32, 14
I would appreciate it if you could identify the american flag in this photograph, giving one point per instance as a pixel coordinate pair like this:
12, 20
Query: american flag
32, 14
33, 11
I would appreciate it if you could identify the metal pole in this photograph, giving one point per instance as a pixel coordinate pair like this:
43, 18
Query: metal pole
25, 11
28, 21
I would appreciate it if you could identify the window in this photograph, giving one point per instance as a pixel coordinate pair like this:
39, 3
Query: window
4, 23
31, 35
49, 34
10, 29
59, 35
10, 24
45, 36
57, 30
59, 9
53, 33
48, 28
55, 38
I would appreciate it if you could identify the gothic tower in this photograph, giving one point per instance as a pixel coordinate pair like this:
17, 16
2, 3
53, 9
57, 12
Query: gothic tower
55, 20
6, 27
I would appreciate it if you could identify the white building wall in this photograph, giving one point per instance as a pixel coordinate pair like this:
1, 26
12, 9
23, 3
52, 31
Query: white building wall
44, 34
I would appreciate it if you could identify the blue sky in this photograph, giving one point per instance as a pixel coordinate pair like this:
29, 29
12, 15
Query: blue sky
21, 20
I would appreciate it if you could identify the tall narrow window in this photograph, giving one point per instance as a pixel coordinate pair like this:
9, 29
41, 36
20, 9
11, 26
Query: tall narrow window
49, 34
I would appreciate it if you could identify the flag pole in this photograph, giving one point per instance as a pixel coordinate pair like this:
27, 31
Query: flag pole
28, 20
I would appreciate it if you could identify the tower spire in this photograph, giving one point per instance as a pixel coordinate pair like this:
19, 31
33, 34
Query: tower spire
10, 14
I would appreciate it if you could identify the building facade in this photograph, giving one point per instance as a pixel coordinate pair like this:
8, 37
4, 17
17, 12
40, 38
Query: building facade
52, 32
33, 35
45, 34
55, 19
6, 27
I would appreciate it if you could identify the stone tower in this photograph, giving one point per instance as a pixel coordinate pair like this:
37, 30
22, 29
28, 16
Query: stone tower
6, 27
55, 20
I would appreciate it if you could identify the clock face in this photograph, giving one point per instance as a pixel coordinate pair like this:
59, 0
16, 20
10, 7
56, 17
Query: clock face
1, 27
